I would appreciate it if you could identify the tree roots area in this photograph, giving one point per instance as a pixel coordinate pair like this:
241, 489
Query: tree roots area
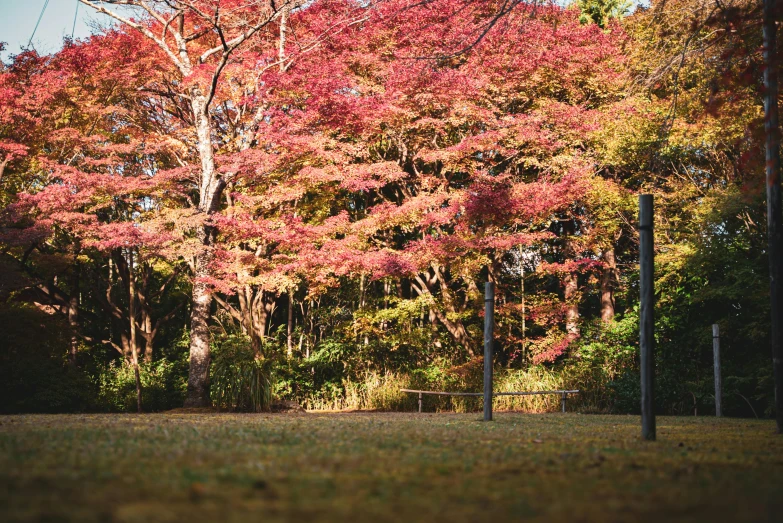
369, 466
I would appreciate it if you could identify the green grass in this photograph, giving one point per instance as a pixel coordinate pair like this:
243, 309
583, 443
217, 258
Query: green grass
386, 467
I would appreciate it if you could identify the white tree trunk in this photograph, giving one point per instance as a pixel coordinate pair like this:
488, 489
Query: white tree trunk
210, 191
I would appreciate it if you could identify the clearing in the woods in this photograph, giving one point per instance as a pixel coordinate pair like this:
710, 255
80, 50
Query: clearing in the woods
386, 467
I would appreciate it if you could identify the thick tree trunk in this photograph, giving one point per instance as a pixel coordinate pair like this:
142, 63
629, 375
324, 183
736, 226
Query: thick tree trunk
608, 279
210, 190
774, 213
211, 185
198, 372
246, 299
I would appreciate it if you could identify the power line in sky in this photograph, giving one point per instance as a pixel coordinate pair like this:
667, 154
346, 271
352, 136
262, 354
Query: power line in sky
38, 22
73, 30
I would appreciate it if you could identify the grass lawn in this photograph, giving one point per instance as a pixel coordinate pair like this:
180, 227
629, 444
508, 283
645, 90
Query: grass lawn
386, 467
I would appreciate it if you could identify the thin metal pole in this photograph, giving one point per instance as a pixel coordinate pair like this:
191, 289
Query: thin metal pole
489, 323
646, 318
716, 359
419, 401
563, 401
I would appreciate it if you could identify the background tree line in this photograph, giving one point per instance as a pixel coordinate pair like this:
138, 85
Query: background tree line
220, 203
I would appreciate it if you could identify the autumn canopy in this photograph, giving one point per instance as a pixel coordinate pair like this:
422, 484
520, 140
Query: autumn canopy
317, 191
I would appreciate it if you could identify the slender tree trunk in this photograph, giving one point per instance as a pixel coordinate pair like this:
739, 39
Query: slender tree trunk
263, 308
281, 42
361, 291
774, 225
570, 281
133, 341
290, 331
522, 303
73, 315
608, 277
244, 311
125, 342
148, 339
2, 168
571, 288
386, 292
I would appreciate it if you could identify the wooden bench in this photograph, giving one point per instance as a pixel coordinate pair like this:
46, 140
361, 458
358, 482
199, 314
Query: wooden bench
563, 393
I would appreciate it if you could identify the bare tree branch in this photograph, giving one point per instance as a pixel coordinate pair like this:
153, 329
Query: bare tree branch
183, 67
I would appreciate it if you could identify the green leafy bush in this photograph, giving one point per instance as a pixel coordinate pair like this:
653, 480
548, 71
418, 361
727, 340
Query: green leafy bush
605, 360
240, 381
163, 385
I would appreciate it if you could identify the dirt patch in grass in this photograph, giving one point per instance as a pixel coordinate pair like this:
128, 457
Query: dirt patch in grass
193, 410
386, 467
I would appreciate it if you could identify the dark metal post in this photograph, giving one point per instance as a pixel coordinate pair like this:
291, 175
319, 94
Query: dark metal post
489, 324
716, 359
771, 14
563, 402
419, 401
646, 318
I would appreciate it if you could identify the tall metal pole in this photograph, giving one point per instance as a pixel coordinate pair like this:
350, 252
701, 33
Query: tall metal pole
774, 214
716, 360
489, 324
646, 319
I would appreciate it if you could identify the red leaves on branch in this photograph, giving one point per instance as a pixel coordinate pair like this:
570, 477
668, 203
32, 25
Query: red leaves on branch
395, 137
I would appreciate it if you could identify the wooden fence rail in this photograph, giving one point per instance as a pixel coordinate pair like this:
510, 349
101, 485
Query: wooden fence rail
563, 393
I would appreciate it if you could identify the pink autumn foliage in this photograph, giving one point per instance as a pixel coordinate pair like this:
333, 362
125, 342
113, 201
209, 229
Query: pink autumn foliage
551, 349
409, 136
579, 265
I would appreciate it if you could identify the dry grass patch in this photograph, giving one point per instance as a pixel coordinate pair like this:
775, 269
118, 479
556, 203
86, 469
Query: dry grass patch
386, 467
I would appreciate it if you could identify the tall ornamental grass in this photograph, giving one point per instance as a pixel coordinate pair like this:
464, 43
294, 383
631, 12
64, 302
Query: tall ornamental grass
240, 380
